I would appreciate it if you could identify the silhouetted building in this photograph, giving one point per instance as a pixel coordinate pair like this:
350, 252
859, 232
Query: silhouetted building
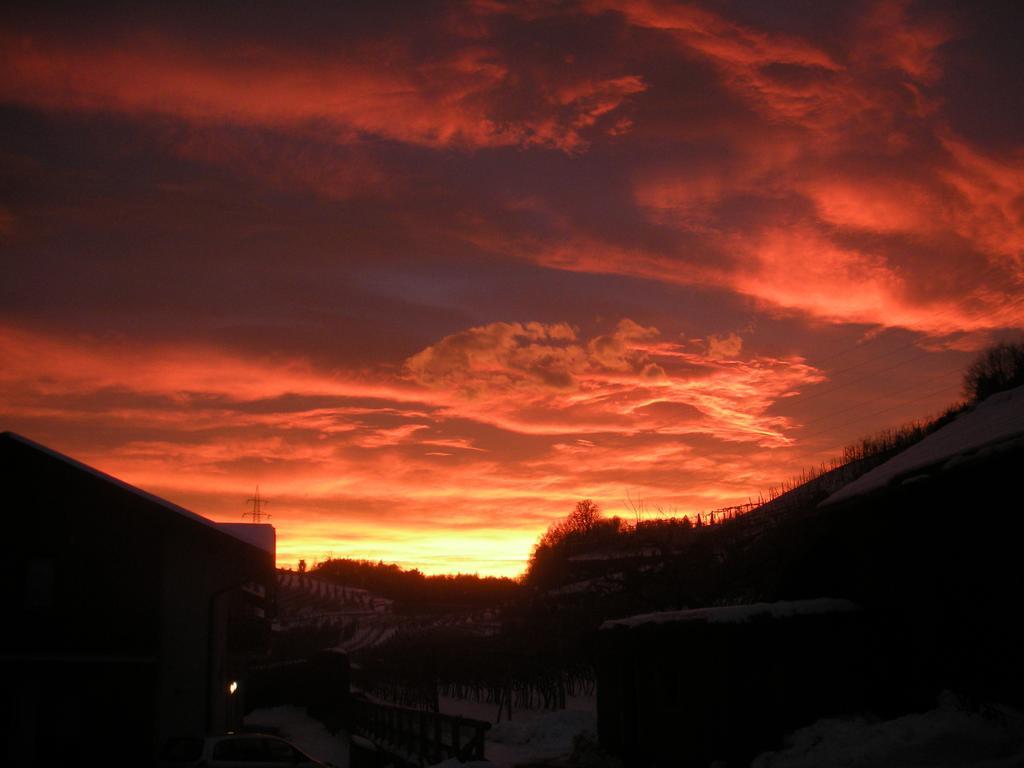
129, 619
692, 687
930, 543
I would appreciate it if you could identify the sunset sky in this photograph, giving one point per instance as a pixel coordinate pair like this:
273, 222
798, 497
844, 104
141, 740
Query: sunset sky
428, 273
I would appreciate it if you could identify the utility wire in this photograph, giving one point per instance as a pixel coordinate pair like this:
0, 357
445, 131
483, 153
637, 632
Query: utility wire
874, 413
827, 416
913, 358
933, 316
871, 374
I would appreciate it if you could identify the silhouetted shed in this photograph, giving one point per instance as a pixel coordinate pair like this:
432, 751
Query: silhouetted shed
939, 564
691, 687
129, 617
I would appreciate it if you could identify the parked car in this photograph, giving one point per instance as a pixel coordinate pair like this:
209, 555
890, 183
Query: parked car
237, 750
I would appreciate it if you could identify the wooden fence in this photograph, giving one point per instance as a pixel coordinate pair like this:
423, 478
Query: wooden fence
426, 737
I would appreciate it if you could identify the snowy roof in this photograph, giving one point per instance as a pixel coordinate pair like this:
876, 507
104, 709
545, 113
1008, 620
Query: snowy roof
738, 614
125, 486
995, 421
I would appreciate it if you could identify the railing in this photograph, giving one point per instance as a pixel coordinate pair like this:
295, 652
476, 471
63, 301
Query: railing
429, 736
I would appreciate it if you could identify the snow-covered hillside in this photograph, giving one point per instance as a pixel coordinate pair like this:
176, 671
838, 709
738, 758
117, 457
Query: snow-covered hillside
992, 425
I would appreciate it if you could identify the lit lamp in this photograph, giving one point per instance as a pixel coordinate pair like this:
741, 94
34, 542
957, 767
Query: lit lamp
233, 686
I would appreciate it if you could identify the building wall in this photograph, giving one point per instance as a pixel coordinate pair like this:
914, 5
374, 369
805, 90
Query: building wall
204, 606
692, 693
934, 563
111, 598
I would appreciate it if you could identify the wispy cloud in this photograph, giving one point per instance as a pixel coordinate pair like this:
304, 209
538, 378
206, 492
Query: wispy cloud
616, 405
431, 277
379, 88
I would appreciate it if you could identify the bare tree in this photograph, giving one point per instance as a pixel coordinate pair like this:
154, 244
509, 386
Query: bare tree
637, 506
998, 368
584, 517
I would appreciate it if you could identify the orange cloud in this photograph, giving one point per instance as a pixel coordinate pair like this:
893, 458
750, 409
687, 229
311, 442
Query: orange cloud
724, 346
552, 415
60, 366
627, 381
797, 268
500, 355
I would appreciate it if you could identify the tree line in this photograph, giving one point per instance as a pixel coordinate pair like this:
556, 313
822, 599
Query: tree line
413, 588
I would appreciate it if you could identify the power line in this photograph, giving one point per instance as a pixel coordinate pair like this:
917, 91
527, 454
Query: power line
861, 404
913, 358
869, 375
874, 413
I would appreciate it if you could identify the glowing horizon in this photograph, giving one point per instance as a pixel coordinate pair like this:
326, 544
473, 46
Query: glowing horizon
429, 279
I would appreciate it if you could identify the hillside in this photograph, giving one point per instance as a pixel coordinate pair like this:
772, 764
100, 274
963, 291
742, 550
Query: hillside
612, 553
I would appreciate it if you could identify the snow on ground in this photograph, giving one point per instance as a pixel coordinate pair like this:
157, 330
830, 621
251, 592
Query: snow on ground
950, 735
998, 419
305, 732
531, 735
536, 736
737, 614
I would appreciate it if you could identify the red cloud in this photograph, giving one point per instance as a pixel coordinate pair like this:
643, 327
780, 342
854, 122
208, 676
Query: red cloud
810, 174
989, 208
880, 205
889, 38
310, 163
452, 100
6, 222
715, 36
852, 136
